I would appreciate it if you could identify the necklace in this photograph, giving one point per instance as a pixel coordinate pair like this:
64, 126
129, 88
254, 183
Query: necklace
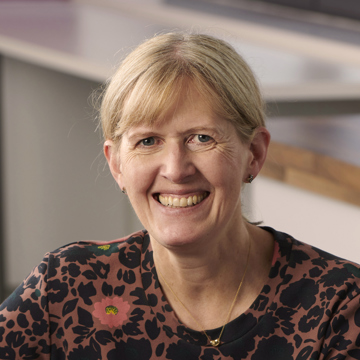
215, 342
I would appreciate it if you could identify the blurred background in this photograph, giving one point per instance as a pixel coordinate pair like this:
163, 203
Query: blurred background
54, 57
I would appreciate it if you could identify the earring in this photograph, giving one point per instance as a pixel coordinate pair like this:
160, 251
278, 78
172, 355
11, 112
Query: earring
250, 178
123, 190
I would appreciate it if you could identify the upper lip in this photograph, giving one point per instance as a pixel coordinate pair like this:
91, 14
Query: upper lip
183, 193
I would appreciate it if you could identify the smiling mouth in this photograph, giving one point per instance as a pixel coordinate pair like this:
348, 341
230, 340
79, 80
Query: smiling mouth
181, 202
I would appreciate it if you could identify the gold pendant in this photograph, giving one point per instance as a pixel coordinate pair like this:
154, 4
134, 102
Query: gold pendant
215, 342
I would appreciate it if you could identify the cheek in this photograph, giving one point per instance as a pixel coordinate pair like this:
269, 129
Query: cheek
138, 176
224, 170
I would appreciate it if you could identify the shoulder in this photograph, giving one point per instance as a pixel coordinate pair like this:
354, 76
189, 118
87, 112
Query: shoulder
309, 266
298, 253
86, 262
83, 252
81, 268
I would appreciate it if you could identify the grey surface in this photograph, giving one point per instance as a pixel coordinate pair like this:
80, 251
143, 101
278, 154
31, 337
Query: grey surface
310, 108
2, 235
88, 41
325, 26
57, 187
70, 36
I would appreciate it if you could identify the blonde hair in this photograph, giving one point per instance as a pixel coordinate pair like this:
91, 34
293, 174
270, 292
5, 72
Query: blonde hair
150, 78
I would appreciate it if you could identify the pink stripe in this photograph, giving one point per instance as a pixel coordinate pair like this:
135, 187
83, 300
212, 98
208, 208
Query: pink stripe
276, 253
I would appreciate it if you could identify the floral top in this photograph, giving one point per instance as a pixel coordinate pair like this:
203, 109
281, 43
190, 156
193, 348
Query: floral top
103, 301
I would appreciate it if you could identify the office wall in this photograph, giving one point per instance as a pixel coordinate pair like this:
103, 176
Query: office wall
317, 220
57, 187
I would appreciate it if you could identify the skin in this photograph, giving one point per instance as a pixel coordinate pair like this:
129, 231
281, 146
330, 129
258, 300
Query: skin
192, 152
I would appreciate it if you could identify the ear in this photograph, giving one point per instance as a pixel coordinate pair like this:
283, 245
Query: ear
112, 156
258, 148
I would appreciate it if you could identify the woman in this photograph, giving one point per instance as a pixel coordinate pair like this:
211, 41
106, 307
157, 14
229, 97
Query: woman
184, 131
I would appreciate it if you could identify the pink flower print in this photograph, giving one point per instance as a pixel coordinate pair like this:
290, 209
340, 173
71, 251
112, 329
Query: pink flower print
111, 312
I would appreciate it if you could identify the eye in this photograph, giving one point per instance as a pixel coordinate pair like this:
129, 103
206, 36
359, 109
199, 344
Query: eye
148, 141
200, 142
203, 138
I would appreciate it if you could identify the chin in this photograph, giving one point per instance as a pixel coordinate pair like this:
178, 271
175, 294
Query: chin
178, 238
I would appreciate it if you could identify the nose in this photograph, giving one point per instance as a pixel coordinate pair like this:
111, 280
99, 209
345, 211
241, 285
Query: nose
177, 163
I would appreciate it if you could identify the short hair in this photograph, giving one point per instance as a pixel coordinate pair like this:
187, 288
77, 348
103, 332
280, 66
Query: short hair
147, 83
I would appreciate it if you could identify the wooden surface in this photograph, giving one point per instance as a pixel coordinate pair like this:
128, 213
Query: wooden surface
320, 154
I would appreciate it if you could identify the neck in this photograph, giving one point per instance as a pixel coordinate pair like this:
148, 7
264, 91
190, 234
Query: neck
206, 282
202, 264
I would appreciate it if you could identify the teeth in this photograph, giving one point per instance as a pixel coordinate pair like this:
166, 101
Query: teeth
181, 202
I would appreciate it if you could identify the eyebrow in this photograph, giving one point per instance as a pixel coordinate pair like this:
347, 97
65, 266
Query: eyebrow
144, 134
198, 129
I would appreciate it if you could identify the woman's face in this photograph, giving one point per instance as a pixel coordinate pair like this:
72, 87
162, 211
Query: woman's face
183, 176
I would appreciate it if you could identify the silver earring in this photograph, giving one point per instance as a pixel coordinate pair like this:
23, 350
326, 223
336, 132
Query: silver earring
250, 178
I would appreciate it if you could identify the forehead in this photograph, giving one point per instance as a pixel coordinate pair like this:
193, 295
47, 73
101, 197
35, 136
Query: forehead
154, 105
190, 111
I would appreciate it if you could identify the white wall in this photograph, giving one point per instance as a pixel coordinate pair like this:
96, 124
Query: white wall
329, 224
